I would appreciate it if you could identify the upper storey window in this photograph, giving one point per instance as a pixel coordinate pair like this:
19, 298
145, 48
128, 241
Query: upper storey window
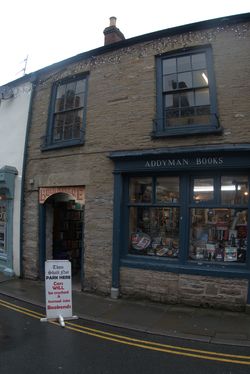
186, 97
67, 113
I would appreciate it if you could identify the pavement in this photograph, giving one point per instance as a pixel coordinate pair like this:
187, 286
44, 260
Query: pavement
177, 321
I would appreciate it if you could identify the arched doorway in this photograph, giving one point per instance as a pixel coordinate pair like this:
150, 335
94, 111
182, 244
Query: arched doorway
63, 231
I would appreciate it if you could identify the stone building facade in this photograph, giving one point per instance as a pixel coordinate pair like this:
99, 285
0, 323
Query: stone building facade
139, 189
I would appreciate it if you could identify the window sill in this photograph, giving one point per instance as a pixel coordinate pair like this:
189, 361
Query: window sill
59, 145
184, 131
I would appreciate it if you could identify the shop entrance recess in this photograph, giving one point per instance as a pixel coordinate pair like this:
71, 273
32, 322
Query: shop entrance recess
62, 229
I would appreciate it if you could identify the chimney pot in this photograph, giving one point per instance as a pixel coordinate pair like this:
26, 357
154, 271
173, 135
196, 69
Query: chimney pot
111, 33
112, 21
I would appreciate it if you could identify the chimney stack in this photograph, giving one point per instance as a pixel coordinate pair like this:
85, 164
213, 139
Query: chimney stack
112, 34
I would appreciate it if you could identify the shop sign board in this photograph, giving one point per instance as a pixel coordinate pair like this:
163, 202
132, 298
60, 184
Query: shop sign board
77, 192
58, 289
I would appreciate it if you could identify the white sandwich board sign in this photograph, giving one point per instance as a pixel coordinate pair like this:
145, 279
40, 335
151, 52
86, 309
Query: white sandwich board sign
58, 290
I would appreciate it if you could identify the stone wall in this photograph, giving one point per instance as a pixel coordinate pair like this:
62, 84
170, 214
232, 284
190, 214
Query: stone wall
184, 289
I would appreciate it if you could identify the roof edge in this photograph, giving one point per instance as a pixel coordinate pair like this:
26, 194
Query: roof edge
215, 22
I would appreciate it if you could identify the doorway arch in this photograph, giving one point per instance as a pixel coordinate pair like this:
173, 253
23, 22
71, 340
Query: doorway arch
62, 229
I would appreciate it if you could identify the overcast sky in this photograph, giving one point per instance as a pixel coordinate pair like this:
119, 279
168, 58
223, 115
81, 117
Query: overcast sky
48, 31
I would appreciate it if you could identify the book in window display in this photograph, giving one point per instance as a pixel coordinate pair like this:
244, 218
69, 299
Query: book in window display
220, 235
156, 232
140, 241
230, 254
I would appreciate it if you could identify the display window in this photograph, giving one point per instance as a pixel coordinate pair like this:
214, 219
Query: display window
155, 231
189, 218
219, 232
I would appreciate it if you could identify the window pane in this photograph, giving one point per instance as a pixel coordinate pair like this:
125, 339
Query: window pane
69, 118
202, 97
77, 124
60, 91
186, 99
167, 189
183, 117
203, 189
200, 78
71, 86
60, 98
199, 61
140, 190
169, 100
80, 86
169, 66
78, 101
234, 190
154, 231
176, 100
183, 63
79, 116
60, 104
187, 114
70, 99
218, 235
185, 80
170, 82
68, 132
58, 128
172, 117
172, 101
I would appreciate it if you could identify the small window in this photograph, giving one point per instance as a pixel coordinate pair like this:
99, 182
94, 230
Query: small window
167, 190
234, 190
67, 115
203, 189
140, 190
186, 94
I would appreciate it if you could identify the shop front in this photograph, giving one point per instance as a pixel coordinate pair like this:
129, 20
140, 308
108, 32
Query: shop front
7, 189
183, 211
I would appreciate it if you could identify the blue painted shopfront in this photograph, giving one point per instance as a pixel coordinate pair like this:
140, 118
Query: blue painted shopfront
202, 187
